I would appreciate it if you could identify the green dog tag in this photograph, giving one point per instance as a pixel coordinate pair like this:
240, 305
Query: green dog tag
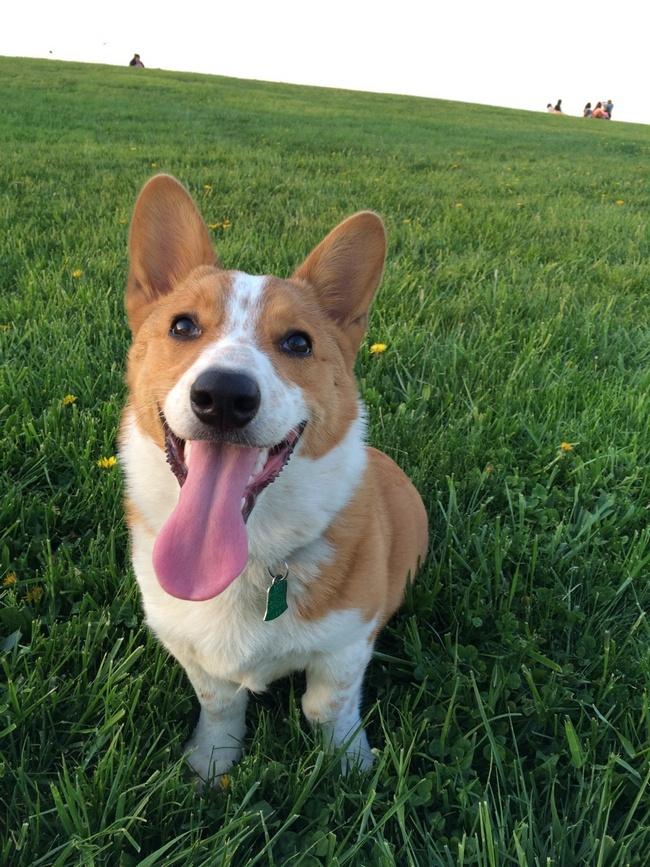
276, 596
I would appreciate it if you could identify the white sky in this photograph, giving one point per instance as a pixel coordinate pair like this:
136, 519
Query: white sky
517, 53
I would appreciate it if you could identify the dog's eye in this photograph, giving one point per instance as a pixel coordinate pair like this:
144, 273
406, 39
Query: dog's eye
296, 343
184, 327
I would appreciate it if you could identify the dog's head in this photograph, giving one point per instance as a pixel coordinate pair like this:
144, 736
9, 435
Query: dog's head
230, 373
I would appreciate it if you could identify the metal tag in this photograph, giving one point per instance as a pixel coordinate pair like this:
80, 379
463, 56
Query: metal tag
276, 596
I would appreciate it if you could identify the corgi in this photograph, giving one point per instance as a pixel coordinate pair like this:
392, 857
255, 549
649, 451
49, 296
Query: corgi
266, 536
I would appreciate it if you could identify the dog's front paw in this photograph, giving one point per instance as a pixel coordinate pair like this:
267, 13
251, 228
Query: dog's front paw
211, 751
209, 762
357, 755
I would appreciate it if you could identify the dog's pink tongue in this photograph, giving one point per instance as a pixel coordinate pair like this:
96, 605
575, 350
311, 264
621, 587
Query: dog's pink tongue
202, 547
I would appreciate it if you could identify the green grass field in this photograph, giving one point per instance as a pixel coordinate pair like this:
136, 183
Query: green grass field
509, 701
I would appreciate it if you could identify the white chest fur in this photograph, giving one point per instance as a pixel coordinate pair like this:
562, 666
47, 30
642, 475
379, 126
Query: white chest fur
227, 636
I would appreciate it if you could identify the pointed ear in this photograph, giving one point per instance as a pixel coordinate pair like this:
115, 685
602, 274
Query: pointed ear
345, 269
167, 240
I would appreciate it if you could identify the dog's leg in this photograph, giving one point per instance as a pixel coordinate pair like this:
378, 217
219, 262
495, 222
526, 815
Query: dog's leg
332, 701
216, 742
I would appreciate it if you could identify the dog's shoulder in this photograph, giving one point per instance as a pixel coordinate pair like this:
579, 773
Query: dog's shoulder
379, 539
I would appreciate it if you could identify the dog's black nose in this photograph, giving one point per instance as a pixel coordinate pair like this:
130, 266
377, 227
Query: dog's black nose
225, 399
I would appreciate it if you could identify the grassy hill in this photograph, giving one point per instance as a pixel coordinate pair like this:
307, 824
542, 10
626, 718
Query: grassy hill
510, 700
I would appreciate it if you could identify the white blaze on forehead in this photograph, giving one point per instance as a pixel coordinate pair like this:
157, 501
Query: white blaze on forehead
282, 405
244, 306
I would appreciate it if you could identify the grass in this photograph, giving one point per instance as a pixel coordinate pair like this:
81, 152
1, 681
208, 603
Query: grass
510, 699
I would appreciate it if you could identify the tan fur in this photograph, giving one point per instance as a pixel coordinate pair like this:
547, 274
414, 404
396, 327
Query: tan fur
133, 514
326, 381
379, 541
345, 281
167, 240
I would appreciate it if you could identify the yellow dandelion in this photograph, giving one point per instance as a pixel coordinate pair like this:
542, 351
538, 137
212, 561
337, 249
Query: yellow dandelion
378, 348
154, 165
107, 463
77, 273
9, 580
224, 781
207, 188
34, 594
407, 220
214, 225
566, 447
122, 221
459, 205
226, 224
455, 165
489, 469
69, 399
5, 326
620, 201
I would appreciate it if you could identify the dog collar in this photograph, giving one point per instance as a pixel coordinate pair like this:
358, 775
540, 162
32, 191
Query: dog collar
276, 595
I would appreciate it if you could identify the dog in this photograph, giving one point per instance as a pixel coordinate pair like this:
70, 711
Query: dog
266, 536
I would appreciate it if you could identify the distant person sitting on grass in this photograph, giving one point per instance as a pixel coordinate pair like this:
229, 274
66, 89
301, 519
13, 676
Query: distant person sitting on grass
586, 111
609, 105
599, 112
135, 61
549, 108
558, 107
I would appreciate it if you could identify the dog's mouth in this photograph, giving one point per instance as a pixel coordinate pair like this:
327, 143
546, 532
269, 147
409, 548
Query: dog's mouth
203, 545
268, 466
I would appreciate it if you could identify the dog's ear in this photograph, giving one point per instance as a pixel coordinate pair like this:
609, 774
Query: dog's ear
345, 270
167, 240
